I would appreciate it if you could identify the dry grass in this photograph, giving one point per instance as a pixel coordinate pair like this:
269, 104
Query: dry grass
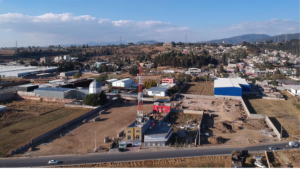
22, 132
189, 162
281, 112
6, 52
199, 88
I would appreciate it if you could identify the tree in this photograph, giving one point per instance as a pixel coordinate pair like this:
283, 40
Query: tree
297, 71
241, 74
221, 69
149, 83
109, 86
277, 71
134, 70
102, 77
95, 99
236, 69
33, 63
173, 44
77, 75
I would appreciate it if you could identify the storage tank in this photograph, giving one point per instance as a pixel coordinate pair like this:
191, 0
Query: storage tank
95, 87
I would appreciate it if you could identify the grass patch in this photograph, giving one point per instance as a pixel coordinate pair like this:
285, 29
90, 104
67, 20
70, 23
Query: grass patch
199, 88
22, 132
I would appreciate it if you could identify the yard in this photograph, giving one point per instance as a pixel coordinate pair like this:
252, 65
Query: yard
80, 137
280, 112
19, 132
199, 88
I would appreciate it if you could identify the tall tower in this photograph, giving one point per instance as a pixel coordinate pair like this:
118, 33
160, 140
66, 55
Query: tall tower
185, 38
140, 112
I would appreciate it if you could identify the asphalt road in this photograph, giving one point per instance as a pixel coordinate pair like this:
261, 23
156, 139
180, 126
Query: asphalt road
131, 156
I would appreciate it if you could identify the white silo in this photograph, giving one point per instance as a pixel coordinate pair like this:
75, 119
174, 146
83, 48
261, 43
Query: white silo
95, 87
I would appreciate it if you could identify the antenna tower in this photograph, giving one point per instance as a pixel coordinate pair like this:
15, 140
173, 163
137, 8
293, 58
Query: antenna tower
120, 40
286, 37
185, 38
140, 112
16, 44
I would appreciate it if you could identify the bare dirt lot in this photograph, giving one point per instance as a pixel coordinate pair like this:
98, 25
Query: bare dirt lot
192, 162
25, 124
280, 112
284, 159
80, 138
226, 122
199, 88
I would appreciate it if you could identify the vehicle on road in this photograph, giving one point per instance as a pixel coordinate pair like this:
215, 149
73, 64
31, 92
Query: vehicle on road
52, 162
122, 146
272, 148
293, 144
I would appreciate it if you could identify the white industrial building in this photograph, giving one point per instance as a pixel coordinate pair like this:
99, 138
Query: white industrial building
69, 73
19, 71
123, 83
2, 108
95, 87
230, 86
161, 90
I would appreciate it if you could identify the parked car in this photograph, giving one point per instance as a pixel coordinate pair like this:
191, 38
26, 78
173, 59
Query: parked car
52, 162
272, 148
293, 144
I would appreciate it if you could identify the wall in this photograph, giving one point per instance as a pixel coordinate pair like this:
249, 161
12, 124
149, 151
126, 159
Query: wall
67, 124
26, 93
228, 91
6, 96
49, 99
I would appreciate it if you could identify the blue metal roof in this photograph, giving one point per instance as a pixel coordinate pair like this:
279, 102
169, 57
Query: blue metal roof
54, 89
158, 89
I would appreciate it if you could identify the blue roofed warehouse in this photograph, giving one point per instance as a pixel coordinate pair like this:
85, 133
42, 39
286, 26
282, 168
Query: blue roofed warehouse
230, 87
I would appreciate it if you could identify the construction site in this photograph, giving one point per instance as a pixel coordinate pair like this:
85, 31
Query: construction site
225, 121
80, 138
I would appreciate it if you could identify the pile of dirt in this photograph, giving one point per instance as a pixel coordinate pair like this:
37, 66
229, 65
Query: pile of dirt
255, 124
216, 140
226, 127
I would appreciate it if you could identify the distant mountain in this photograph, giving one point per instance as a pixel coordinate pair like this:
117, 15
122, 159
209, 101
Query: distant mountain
94, 43
239, 39
149, 42
280, 38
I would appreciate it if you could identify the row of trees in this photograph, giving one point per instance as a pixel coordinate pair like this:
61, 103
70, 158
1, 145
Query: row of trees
95, 99
149, 83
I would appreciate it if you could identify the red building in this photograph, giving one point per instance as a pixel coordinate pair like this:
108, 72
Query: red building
161, 107
168, 80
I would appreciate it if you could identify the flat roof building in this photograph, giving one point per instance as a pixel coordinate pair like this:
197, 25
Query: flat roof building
230, 86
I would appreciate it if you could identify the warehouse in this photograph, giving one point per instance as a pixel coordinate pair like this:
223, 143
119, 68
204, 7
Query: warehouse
61, 93
158, 91
230, 87
27, 87
19, 71
123, 84
70, 73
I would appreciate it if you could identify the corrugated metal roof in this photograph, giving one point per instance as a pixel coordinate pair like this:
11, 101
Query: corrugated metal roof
27, 85
229, 82
158, 89
54, 89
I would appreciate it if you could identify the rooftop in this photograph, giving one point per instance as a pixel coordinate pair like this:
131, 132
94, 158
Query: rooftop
158, 89
54, 89
230, 82
158, 130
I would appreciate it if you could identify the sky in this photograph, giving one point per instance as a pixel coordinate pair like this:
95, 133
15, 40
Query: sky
54, 22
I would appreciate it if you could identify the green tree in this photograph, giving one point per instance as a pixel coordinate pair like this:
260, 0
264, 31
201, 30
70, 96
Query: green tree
241, 74
221, 69
95, 99
77, 75
236, 69
134, 70
102, 77
173, 44
149, 83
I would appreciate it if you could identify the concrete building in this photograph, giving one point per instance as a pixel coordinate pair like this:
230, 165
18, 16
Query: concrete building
158, 135
230, 87
27, 87
158, 91
61, 93
44, 59
134, 132
194, 70
19, 71
69, 73
168, 80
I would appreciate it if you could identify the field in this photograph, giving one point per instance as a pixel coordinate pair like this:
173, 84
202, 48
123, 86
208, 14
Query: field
31, 125
280, 112
6, 52
199, 88
80, 138
281, 158
190, 162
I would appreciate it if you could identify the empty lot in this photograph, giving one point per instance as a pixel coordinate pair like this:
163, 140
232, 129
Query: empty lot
80, 138
199, 88
280, 112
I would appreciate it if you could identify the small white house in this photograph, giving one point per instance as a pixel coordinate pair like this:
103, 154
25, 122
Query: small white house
123, 83
295, 91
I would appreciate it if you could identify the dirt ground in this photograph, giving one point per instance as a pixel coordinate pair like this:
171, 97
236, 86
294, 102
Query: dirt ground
280, 112
226, 122
199, 88
29, 124
80, 138
249, 162
284, 158
191, 162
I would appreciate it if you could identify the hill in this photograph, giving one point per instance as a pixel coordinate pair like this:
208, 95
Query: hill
280, 38
239, 39
149, 42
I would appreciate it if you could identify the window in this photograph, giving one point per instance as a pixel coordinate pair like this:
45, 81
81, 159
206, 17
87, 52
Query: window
137, 137
129, 138
129, 131
138, 131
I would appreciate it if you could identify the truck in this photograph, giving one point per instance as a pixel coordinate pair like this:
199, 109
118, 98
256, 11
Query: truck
122, 145
293, 144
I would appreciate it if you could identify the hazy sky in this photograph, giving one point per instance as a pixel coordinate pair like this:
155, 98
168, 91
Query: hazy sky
45, 22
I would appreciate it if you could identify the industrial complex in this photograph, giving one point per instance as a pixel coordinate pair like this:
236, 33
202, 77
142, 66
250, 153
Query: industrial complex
230, 87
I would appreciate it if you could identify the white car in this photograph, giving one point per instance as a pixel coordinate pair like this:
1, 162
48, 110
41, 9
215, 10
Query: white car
52, 162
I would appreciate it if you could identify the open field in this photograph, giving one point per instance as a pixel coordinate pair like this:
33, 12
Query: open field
280, 112
281, 158
199, 88
190, 162
80, 138
20, 133
19, 110
6, 52
226, 122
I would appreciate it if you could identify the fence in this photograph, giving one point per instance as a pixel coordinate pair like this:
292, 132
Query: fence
67, 124
49, 99
186, 111
267, 159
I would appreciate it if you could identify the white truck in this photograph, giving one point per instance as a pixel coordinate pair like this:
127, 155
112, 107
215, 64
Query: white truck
293, 144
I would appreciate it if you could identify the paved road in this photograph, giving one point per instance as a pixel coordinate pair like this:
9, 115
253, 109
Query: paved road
130, 156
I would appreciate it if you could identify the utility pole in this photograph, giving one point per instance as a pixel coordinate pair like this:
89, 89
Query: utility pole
120, 40
16, 44
185, 38
95, 142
